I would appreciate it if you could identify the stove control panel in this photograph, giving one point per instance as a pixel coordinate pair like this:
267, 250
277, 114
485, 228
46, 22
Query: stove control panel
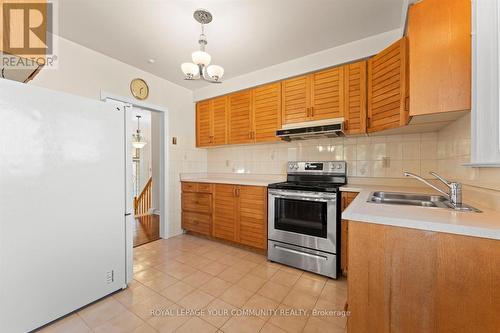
317, 167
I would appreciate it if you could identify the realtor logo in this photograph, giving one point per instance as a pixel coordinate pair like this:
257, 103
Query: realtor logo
27, 28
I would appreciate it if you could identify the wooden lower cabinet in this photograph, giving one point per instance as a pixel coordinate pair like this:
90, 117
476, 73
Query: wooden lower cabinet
347, 198
235, 213
408, 280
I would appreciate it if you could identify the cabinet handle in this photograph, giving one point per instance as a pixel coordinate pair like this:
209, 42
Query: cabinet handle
237, 191
307, 110
312, 111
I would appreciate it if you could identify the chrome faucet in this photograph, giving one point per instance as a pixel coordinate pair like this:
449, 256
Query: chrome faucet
455, 189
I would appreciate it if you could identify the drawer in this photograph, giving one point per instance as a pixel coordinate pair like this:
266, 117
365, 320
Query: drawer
197, 202
189, 187
204, 187
199, 223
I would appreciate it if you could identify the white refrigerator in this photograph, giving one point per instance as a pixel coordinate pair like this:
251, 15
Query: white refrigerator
63, 239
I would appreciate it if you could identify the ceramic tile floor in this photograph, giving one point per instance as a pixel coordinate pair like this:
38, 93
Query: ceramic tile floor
190, 284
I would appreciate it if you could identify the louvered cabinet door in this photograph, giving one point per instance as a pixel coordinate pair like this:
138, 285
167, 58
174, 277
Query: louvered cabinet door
252, 218
327, 94
387, 81
355, 97
203, 124
240, 117
224, 212
267, 112
219, 121
296, 94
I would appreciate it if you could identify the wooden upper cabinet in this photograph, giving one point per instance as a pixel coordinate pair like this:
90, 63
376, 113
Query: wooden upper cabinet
267, 112
224, 212
439, 34
296, 95
387, 88
252, 216
327, 94
240, 117
219, 121
355, 97
203, 124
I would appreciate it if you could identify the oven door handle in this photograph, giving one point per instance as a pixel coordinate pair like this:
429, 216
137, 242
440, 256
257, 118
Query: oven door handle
317, 199
300, 252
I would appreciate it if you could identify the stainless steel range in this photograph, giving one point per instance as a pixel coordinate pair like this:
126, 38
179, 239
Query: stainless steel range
304, 217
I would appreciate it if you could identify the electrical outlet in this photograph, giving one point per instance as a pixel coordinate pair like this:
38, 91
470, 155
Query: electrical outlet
110, 276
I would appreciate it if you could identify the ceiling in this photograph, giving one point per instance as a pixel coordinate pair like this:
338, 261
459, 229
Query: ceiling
245, 35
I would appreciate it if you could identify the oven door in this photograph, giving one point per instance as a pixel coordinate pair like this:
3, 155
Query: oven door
301, 218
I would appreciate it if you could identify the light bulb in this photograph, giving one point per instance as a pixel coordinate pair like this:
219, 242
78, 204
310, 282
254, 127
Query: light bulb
201, 58
215, 72
189, 69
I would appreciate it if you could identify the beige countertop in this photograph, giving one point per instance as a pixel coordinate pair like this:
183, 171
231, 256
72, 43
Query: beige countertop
485, 224
232, 178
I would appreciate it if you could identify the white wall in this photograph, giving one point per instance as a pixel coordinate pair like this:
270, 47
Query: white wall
338, 55
85, 72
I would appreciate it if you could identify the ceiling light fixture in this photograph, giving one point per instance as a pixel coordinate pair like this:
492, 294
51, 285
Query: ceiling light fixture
199, 68
137, 139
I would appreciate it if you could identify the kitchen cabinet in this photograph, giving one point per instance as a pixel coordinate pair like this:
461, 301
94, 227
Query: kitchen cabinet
196, 205
387, 88
347, 198
409, 280
211, 122
355, 98
327, 94
296, 95
225, 204
266, 112
240, 214
439, 34
240, 117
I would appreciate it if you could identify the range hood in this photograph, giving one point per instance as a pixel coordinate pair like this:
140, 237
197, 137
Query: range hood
312, 129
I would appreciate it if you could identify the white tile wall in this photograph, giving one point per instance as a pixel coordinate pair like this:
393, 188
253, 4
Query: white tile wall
378, 156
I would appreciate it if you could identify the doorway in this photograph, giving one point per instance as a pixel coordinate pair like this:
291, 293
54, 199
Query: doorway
145, 153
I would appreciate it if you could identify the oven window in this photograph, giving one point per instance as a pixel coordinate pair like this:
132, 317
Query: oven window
301, 216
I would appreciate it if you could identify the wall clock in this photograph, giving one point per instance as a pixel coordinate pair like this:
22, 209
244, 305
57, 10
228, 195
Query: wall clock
139, 89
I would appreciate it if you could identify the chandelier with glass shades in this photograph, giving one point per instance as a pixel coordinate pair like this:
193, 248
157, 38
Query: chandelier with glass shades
138, 140
199, 68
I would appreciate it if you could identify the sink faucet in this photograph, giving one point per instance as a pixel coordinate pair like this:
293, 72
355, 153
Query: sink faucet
455, 189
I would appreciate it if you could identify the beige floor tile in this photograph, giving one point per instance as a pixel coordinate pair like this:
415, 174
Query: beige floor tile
218, 312
144, 328
196, 300
231, 275
146, 274
197, 279
148, 306
177, 291
270, 328
316, 325
261, 304
228, 259
213, 268
290, 323
274, 291
264, 272
101, 311
251, 282
123, 323
285, 278
177, 270
160, 282
244, 266
195, 325
129, 297
333, 293
236, 296
72, 323
291, 270
300, 300
309, 285
213, 254
243, 325
327, 313
169, 322
215, 286
315, 276
337, 302
255, 257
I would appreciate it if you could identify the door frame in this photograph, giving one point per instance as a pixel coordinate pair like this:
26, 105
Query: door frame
164, 168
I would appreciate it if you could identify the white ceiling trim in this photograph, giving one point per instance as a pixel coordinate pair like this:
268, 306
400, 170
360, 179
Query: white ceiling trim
345, 53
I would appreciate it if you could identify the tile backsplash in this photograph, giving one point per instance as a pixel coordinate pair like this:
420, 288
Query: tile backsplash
375, 156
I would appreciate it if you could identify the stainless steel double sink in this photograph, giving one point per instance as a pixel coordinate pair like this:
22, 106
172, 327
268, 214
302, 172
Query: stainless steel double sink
415, 199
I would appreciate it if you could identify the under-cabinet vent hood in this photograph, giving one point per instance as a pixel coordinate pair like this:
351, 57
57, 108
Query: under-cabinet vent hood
312, 129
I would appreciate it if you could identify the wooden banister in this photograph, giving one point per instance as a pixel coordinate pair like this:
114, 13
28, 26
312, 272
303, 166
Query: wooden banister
143, 203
